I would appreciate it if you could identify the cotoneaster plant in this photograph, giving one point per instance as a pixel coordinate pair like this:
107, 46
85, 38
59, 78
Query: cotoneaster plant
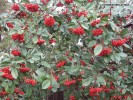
45, 55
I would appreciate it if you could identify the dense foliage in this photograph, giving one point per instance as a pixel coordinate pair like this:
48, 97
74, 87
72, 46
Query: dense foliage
83, 50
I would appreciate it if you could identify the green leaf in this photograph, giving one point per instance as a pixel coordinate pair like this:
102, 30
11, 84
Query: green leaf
87, 81
90, 6
11, 88
46, 84
127, 46
114, 27
55, 85
34, 39
123, 54
98, 50
85, 25
46, 64
24, 51
91, 43
18, 60
14, 72
72, 70
101, 80
28, 91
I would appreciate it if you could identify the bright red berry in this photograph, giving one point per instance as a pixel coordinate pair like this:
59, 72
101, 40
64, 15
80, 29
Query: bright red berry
61, 63
95, 91
68, 1
95, 22
40, 41
118, 42
90, 1
72, 98
10, 25
15, 36
32, 7
82, 13
15, 7
78, 31
97, 32
45, 1
24, 69
49, 21
7, 76
105, 51
16, 52
59, 4
22, 14
82, 63
52, 41
30, 81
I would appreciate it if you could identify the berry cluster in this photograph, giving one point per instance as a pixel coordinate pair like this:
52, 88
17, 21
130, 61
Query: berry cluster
24, 69
118, 42
69, 82
102, 15
59, 4
82, 13
56, 78
68, 1
49, 21
40, 41
2, 93
10, 25
18, 37
15, 52
95, 22
97, 32
78, 31
95, 91
7, 73
61, 63
22, 14
72, 98
90, 1
44, 1
15, 7
52, 41
18, 91
30, 81
50, 87
105, 51
82, 63
117, 97
32, 7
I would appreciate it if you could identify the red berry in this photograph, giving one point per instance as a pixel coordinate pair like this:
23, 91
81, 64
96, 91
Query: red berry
78, 31
40, 41
68, 1
30, 81
10, 25
49, 21
118, 42
105, 51
51, 41
97, 32
82, 13
15, 7
16, 52
24, 69
95, 22
32, 7
61, 63
15, 36
72, 98
45, 1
